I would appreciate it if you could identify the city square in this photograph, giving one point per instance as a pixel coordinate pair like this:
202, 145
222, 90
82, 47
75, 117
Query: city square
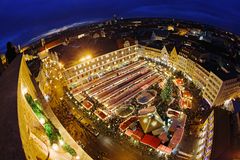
120, 88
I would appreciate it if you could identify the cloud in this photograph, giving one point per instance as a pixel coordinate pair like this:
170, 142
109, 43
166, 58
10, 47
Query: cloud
56, 30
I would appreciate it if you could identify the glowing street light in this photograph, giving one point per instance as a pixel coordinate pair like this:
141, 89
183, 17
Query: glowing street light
83, 59
24, 90
88, 57
60, 64
61, 142
42, 121
55, 147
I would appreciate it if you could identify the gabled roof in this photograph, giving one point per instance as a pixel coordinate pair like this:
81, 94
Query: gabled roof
51, 45
169, 47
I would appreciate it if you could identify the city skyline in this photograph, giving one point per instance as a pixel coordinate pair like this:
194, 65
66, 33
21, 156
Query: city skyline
28, 19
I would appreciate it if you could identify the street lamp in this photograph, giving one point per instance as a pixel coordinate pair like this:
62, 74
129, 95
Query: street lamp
42, 120
88, 57
55, 147
61, 142
83, 59
24, 90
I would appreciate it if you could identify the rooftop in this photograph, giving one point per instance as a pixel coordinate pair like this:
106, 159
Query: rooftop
221, 72
10, 142
75, 50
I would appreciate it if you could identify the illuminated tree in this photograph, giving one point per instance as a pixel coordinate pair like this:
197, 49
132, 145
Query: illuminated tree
166, 93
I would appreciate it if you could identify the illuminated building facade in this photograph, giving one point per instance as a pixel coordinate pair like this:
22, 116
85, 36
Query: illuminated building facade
205, 142
78, 74
36, 122
216, 89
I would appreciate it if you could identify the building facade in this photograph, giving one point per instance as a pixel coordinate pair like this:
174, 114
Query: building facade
91, 68
34, 136
215, 90
205, 141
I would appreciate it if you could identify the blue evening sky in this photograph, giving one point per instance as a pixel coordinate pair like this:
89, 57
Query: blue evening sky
22, 20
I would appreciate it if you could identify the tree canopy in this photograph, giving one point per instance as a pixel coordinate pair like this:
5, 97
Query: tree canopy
166, 93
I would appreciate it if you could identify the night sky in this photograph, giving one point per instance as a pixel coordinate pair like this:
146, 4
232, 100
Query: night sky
22, 20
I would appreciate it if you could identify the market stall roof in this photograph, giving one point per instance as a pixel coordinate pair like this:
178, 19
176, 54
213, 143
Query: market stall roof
137, 134
151, 141
87, 104
101, 114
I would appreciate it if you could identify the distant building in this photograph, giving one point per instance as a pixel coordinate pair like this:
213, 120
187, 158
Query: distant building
43, 51
159, 35
1, 67
3, 59
170, 28
125, 42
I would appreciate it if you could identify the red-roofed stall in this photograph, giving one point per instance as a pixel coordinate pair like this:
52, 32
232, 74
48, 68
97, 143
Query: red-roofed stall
125, 124
176, 138
164, 149
137, 134
151, 141
163, 137
87, 104
101, 114
129, 132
